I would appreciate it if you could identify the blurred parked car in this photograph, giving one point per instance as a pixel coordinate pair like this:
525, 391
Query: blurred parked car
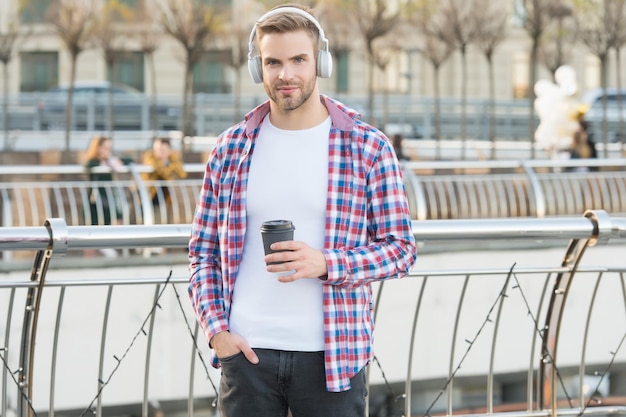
594, 115
131, 108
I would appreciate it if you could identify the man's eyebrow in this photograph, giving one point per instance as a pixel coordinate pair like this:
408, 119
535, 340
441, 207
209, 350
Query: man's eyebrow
291, 58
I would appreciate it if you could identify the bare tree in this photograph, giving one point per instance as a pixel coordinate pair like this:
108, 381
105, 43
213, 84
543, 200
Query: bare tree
535, 17
595, 22
337, 18
560, 33
491, 27
74, 23
374, 20
148, 21
109, 37
9, 34
459, 28
383, 53
437, 52
241, 23
429, 22
192, 24
618, 8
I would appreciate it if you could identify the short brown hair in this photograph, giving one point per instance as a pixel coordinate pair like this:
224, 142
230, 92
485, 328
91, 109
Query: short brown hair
289, 22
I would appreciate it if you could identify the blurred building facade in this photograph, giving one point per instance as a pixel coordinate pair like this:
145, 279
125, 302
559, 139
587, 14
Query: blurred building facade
40, 59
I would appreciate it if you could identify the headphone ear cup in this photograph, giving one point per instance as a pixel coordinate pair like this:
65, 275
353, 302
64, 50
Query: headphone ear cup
324, 64
255, 69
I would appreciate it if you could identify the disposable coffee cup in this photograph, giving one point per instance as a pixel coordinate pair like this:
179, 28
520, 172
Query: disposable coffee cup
276, 231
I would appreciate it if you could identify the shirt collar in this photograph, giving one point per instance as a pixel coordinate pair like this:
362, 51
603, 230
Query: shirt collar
343, 117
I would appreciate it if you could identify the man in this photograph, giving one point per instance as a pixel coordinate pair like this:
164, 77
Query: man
296, 335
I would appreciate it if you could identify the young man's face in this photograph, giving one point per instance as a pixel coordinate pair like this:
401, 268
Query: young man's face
289, 74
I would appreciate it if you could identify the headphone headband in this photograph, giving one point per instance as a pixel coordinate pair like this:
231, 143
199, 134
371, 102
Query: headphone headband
285, 10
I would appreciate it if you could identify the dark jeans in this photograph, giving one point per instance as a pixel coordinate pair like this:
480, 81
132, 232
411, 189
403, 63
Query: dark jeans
283, 381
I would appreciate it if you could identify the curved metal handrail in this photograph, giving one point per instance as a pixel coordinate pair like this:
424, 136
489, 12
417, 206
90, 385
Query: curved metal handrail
437, 190
595, 227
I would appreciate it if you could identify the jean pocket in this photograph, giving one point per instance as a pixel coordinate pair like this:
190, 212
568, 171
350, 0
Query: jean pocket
230, 358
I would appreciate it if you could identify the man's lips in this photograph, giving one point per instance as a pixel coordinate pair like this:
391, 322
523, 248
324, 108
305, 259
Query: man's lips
287, 89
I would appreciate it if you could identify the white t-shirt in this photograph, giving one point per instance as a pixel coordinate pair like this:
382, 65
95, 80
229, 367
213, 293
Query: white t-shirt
288, 180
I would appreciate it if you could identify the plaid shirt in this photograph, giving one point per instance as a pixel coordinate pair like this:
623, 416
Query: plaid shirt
368, 235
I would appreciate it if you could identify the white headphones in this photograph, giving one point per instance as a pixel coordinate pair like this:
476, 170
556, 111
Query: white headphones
324, 57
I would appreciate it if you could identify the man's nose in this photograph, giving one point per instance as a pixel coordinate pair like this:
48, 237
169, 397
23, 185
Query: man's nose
286, 72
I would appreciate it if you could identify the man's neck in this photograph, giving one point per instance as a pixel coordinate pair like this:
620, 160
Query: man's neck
309, 115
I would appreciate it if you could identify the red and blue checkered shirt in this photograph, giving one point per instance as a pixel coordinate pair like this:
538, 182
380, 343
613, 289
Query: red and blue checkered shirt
368, 235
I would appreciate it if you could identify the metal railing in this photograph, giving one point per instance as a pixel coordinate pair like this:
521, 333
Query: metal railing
499, 189
26, 199
216, 112
437, 190
78, 349
413, 116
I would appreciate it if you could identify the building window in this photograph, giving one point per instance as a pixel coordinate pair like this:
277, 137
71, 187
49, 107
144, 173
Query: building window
342, 69
38, 71
130, 3
209, 73
34, 11
218, 3
128, 69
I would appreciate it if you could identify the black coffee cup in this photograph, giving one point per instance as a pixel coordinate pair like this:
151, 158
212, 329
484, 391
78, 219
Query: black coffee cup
276, 231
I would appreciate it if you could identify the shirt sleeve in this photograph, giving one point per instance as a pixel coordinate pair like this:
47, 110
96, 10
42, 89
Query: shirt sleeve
205, 282
388, 249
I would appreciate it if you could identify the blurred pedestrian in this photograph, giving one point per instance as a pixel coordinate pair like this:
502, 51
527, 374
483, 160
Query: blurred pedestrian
583, 146
396, 140
166, 165
104, 204
102, 196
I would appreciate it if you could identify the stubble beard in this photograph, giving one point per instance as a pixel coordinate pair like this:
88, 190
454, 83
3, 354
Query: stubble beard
294, 101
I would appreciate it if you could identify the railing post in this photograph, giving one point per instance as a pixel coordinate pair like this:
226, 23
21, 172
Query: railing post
146, 119
150, 335
408, 388
7, 218
57, 229
535, 190
427, 119
147, 210
417, 193
602, 231
200, 121
4, 351
91, 113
